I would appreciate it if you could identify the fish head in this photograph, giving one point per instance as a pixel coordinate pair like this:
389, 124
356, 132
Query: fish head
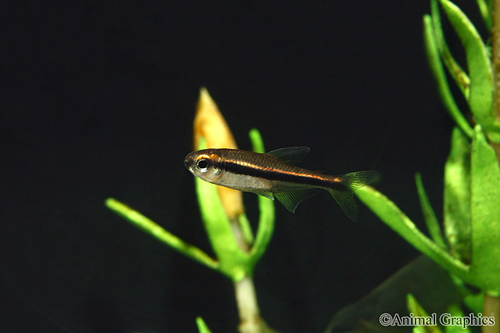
203, 164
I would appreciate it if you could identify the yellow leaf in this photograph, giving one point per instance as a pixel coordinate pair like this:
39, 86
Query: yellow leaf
211, 125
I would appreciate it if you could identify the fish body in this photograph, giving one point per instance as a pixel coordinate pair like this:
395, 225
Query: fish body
275, 175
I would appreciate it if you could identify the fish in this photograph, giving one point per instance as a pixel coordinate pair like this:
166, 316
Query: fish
276, 175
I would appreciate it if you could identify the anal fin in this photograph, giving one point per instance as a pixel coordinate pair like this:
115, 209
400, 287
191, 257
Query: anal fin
291, 199
345, 199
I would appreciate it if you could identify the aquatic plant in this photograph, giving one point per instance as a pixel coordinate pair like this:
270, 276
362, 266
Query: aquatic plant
466, 244
223, 215
469, 247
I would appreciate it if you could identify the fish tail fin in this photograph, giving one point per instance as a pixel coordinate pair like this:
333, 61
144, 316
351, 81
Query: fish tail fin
349, 183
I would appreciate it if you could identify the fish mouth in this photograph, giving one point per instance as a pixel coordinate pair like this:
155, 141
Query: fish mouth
187, 164
188, 161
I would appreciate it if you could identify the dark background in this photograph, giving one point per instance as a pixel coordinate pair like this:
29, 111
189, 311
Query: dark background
98, 102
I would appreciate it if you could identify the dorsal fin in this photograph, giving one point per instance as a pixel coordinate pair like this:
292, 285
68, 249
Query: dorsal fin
290, 155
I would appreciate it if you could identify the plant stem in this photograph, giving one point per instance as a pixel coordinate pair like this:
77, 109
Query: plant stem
239, 235
491, 304
246, 299
247, 306
495, 64
491, 308
495, 61
251, 322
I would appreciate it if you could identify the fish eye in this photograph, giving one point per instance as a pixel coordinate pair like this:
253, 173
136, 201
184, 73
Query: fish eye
203, 164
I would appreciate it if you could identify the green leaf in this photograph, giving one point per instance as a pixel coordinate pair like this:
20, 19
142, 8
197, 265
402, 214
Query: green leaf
266, 207
486, 8
233, 262
414, 307
246, 229
202, 327
474, 302
266, 228
455, 311
429, 215
418, 311
455, 70
481, 89
456, 205
391, 215
485, 215
257, 142
471, 298
161, 234
485, 218
436, 66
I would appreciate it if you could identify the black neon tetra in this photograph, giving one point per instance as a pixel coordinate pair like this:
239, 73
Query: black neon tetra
274, 175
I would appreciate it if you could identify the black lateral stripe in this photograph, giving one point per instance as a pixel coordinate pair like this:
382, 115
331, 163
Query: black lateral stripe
272, 174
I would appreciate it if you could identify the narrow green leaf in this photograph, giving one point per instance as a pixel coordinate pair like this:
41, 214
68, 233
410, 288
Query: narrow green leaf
474, 302
436, 66
414, 307
258, 146
429, 215
266, 207
234, 263
246, 229
266, 229
202, 327
242, 219
418, 329
455, 311
161, 234
455, 70
232, 260
478, 63
486, 8
391, 215
418, 311
456, 205
257, 142
472, 299
485, 214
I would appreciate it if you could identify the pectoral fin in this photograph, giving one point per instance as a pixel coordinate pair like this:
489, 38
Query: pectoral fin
291, 199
